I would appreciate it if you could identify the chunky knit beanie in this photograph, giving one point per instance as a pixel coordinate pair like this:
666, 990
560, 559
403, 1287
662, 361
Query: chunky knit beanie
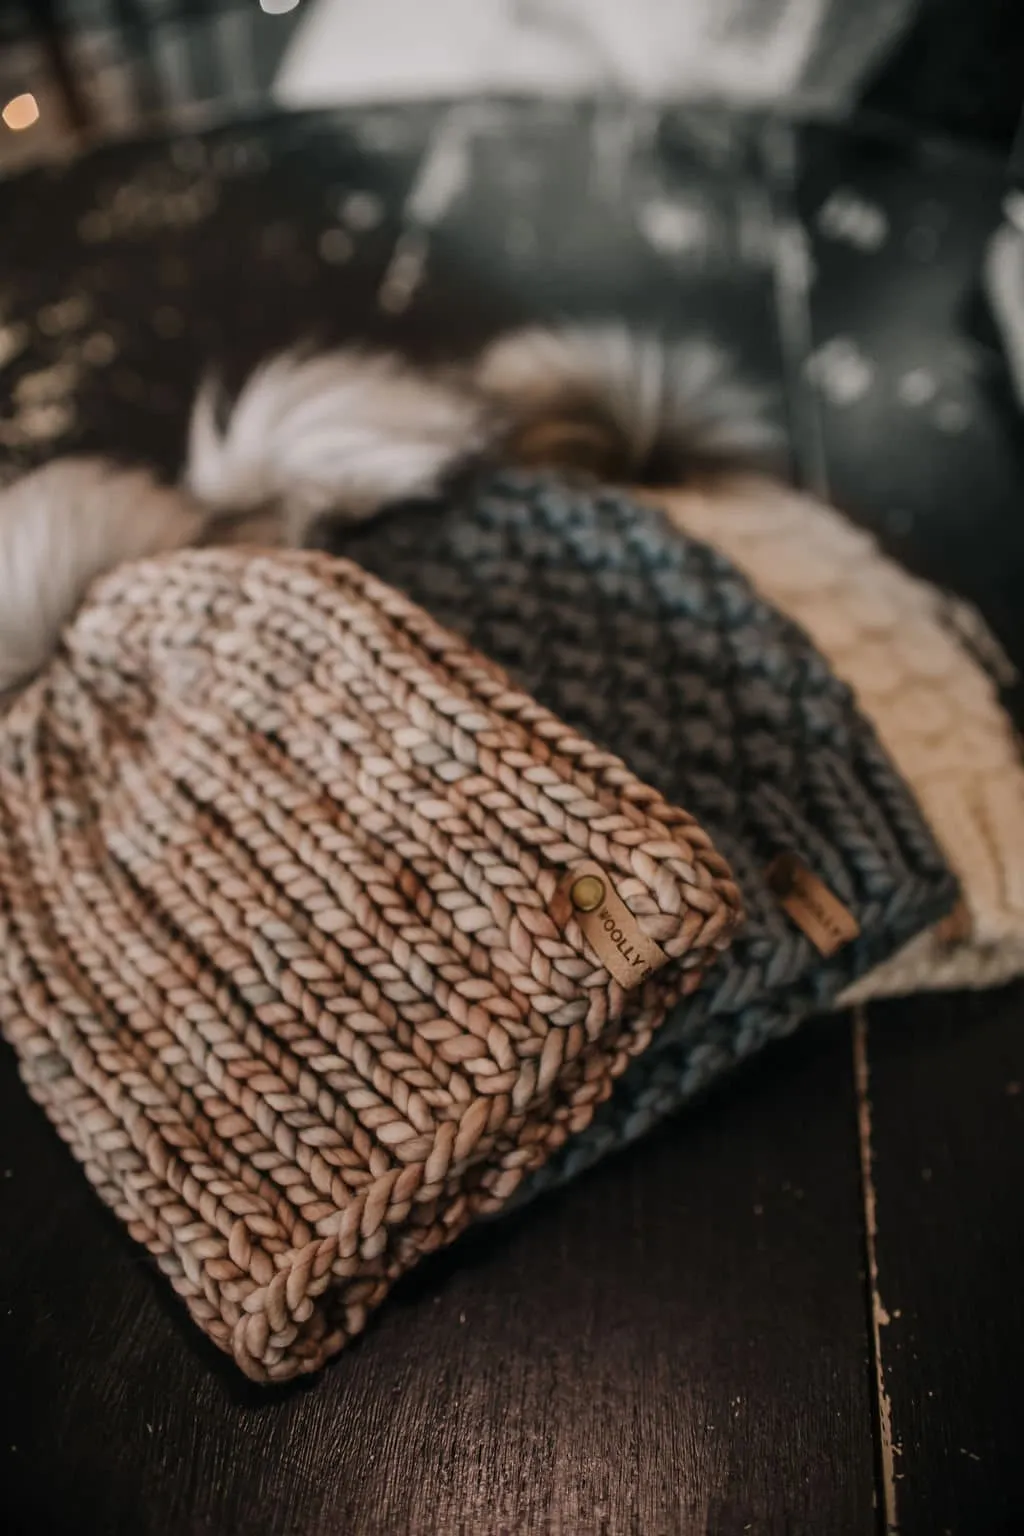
654, 645
317, 933
936, 709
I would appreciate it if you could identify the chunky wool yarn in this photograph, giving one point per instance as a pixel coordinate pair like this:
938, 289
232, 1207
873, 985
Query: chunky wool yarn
285, 951
935, 707
655, 645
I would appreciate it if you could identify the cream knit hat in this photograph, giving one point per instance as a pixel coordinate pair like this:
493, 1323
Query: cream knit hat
936, 709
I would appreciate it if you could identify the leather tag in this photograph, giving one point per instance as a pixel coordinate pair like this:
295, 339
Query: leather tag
811, 905
957, 928
609, 927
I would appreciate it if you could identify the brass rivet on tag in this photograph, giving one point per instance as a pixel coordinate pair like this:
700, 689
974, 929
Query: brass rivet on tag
610, 929
587, 893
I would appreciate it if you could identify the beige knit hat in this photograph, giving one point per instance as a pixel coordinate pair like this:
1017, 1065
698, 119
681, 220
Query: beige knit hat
936, 710
316, 934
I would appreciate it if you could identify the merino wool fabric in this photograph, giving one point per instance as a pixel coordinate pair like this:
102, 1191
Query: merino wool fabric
282, 951
935, 707
655, 645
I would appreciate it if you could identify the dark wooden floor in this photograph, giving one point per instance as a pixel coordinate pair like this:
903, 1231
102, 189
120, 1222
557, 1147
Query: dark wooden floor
797, 1309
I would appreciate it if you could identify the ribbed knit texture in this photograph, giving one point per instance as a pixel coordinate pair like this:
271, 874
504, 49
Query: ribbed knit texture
278, 864
656, 646
935, 708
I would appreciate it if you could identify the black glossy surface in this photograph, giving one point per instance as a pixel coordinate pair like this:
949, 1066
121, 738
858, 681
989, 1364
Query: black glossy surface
685, 1340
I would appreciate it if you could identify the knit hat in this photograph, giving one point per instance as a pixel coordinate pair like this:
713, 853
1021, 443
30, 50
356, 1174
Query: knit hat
653, 644
316, 933
936, 708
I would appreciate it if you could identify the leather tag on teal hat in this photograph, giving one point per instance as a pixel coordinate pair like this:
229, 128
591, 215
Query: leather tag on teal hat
811, 905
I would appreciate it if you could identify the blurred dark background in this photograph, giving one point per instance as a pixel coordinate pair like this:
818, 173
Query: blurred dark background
953, 66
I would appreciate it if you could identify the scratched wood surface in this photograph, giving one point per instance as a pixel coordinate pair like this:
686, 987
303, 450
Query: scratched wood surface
676, 1345
736, 1326
943, 1091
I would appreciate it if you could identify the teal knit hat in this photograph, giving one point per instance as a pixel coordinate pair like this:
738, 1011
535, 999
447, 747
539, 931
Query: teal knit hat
654, 646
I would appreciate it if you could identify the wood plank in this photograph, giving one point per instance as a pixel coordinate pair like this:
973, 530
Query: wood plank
918, 443
676, 1344
942, 1082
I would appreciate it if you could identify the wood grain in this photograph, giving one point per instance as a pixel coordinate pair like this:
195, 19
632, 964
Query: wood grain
675, 1345
946, 1090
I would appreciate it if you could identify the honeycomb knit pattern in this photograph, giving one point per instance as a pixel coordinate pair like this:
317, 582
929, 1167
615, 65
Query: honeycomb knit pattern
655, 645
936, 709
279, 863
